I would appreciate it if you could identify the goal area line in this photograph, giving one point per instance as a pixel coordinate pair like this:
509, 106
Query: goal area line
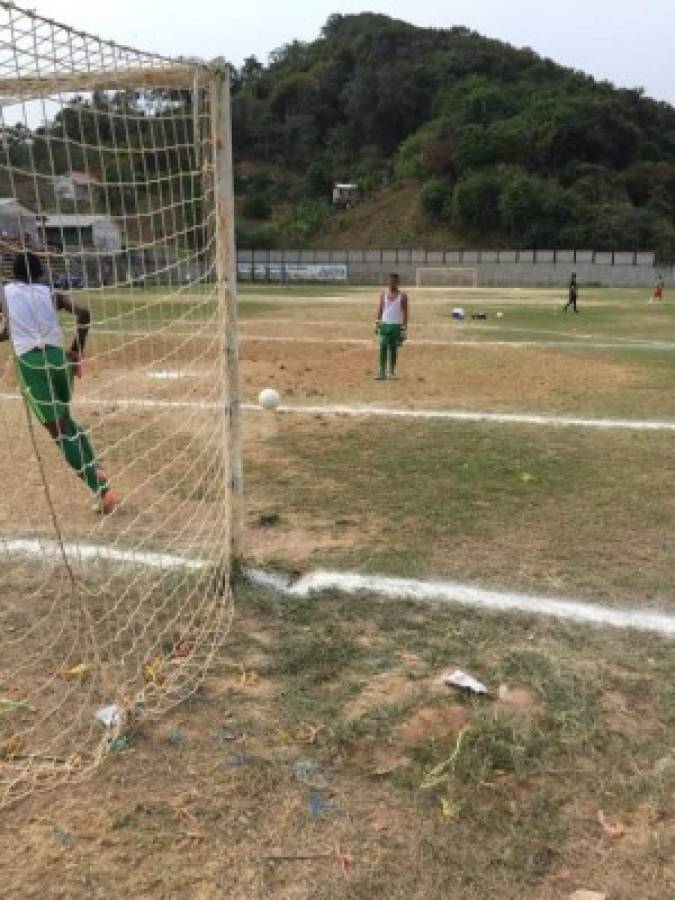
381, 586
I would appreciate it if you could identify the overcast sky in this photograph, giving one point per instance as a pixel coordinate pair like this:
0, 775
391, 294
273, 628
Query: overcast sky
629, 43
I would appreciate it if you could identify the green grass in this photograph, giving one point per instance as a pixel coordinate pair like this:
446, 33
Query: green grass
554, 510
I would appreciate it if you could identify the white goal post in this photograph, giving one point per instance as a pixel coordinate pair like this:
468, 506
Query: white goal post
446, 276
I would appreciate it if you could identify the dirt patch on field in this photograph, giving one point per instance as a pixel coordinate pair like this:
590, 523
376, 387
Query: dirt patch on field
386, 689
433, 724
519, 701
624, 717
454, 376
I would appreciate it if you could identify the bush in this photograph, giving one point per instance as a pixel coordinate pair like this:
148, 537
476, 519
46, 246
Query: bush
434, 199
256, 206
319, 179
475, 204
534, 211
304, 220
261, 237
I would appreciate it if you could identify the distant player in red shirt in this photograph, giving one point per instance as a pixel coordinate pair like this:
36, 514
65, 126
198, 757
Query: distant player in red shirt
658, 290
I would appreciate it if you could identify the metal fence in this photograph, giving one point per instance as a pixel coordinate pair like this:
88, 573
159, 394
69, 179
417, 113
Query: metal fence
449, 257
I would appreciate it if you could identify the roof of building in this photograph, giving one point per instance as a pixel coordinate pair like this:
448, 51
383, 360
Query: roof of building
11, 206
77, 177
73, 221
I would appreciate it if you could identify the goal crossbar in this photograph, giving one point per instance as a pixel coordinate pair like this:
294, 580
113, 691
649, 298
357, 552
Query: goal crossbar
16, 90
446, 276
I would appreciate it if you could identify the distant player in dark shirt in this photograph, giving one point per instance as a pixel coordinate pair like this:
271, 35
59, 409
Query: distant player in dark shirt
573, 294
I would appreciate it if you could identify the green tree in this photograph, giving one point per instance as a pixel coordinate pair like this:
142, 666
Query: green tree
434, 199
319, 178
475, 204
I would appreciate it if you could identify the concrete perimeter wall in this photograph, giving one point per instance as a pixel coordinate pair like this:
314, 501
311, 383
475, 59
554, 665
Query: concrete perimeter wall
496, 268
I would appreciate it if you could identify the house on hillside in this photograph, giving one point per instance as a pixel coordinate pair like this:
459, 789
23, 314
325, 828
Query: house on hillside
73, 231
75, 187
17, 221
345, 195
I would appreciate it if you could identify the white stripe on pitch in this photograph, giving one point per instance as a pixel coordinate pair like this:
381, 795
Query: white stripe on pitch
380, 585
464, 416
388, 412
468, 595
93, 552
651, 346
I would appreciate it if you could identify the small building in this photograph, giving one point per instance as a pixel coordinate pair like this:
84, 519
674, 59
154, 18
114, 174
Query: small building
345, 195
74, 187
16, 221
72, 231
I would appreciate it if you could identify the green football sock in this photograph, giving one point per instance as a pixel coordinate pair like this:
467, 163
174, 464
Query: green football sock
393, 355
76, 448
383, 354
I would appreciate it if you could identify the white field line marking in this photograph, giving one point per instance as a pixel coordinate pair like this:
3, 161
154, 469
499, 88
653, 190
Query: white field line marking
452, 592
462, 416
352, 583
429, 342
170, 376
94, 552
386, 412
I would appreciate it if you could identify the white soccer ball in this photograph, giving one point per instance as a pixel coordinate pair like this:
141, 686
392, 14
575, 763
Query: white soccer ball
500, 315
269, 398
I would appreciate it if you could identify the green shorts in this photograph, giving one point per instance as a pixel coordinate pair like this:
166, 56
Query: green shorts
46, 378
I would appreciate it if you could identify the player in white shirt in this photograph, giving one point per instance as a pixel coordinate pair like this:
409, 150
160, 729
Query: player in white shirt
391, 325
46, 370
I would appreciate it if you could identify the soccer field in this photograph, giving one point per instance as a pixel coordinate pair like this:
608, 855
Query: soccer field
530, 453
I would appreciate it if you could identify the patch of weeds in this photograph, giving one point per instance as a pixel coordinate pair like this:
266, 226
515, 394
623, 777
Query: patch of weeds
572, 713
298, 610
494, 744
315, 657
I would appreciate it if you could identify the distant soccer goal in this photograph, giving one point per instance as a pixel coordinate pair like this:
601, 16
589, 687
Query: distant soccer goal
116, 206
446, 276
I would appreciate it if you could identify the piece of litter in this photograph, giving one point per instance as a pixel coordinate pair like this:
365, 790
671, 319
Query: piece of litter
183, 649
109, 716
319, 804
306, 773
613, 830
268, 519
63, 838
239, 759
225, 735
460, 679
78, 671
449, 808
120, 744
176, 738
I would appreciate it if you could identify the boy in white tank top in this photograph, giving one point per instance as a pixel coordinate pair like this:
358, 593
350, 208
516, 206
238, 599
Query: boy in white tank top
391, 326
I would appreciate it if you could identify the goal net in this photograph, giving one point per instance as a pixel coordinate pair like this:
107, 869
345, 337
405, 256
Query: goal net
115, 175
444, 276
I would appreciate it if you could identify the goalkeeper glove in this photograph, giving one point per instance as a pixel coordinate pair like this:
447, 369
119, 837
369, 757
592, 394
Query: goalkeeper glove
377, 326
403, 336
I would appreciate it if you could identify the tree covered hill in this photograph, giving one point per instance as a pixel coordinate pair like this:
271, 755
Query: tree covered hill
489, 143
